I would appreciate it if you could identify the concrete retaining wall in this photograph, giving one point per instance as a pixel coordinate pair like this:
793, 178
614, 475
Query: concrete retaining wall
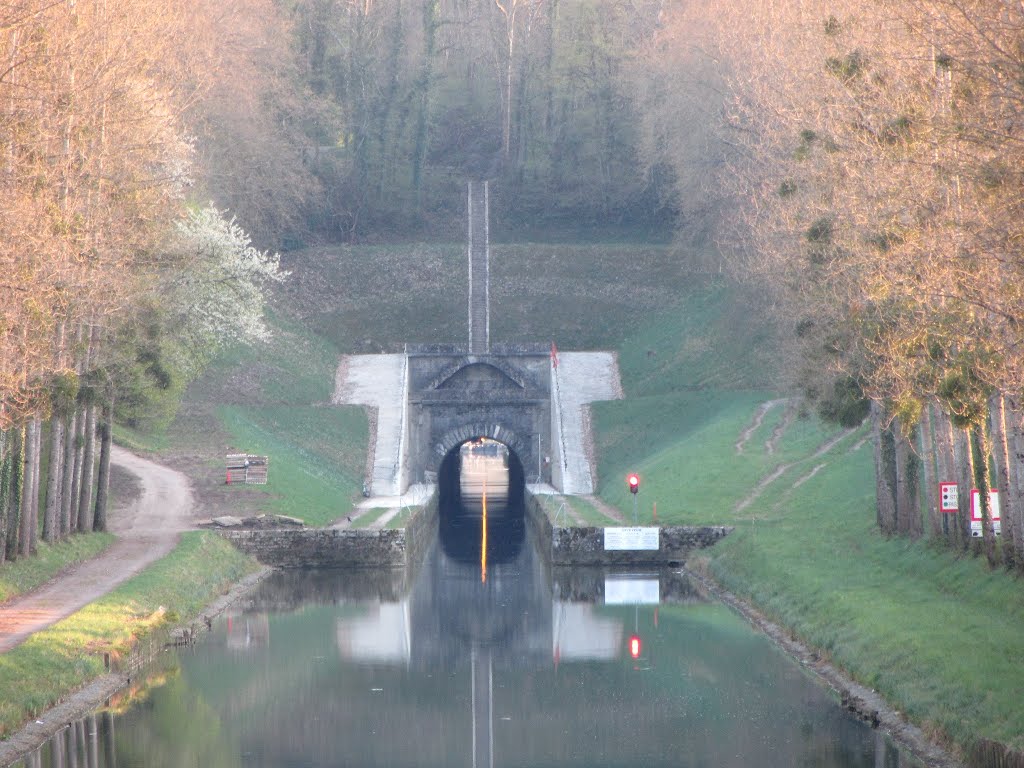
582, 545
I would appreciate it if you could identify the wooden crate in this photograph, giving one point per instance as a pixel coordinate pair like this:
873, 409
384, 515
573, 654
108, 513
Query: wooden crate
246, 468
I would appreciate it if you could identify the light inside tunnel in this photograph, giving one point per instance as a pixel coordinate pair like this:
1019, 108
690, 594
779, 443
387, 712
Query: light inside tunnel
484, 475
483, 538
481, 504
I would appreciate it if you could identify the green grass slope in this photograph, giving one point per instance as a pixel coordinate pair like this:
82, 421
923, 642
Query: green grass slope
273, 399
939, 635
375, 298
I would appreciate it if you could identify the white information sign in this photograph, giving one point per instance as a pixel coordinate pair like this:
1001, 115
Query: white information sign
631, 591
993, 512
631, 538
949, 497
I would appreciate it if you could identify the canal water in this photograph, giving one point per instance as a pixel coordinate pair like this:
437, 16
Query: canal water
485, 656
529, 667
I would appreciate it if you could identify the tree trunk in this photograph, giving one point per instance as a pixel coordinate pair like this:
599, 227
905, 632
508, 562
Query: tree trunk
33, 537
980, 452
1015, 507
423, 90
945, 466
5, 488
103, 482
908, 482
964, 468
928, 473
88, 470
76, 474
30, 465
506, 125
884, 463
17, 460
1001, 459
55, 472
68, 474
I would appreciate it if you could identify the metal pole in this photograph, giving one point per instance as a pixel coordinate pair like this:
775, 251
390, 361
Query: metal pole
635, 521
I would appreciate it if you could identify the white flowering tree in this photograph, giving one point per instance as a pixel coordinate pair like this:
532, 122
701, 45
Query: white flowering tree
220, 282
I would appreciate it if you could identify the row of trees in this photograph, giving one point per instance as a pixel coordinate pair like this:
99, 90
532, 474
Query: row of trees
113, 287
865, 165
416, 98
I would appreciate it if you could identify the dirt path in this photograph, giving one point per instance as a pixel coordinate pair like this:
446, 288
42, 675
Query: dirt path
758, 420
146, 529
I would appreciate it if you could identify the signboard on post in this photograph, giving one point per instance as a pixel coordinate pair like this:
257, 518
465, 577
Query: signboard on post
631, 538
949, 498
993, 512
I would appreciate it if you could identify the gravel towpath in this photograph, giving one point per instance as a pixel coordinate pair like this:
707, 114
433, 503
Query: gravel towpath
146, 530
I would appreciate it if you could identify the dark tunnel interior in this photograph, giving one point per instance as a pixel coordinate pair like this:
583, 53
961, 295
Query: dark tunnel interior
481, 476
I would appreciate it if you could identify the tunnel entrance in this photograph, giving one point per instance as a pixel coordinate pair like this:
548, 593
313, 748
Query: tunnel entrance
481, 506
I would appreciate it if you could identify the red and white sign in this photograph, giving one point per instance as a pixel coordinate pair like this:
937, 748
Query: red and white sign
993, 512
949, 498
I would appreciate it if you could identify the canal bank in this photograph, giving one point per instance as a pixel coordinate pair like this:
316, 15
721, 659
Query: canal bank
862, 701
49, 656
672, 693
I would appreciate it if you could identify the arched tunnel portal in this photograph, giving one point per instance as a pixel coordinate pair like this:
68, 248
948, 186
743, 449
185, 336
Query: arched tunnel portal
481, 483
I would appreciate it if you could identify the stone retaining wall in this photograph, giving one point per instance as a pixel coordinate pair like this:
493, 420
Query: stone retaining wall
584, 545
341, 548
322, 547
400, 548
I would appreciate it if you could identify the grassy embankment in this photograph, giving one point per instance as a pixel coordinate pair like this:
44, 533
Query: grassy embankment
274, 399
54, 662
936, 632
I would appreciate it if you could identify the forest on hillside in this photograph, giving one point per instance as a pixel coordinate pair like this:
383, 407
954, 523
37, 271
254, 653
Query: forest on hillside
857, 166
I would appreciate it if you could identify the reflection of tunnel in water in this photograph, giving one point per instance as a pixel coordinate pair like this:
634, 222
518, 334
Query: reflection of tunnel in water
481, 509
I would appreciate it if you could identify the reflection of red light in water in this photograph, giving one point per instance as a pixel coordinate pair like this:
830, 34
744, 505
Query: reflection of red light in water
634, 646
483, 538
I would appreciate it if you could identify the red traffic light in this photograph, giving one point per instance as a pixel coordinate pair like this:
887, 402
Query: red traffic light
634, 482
634, 646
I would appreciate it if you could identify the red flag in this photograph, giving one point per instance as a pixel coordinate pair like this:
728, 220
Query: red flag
554, 355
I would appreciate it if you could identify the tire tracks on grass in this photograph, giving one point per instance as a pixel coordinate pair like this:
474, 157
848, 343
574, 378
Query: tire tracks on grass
781, 469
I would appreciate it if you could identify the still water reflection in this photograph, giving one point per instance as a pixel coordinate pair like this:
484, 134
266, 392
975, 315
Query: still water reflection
527, 668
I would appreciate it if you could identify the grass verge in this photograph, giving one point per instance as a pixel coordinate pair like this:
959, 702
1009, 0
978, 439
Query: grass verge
317, 456
369, 517
55, 662
937, 634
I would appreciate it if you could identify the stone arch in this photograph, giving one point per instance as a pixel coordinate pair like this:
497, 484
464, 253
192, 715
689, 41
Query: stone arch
456, 437
449, 371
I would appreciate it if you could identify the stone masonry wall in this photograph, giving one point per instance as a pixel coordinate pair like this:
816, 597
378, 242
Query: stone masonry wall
336, 548
322, 547
583, 545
